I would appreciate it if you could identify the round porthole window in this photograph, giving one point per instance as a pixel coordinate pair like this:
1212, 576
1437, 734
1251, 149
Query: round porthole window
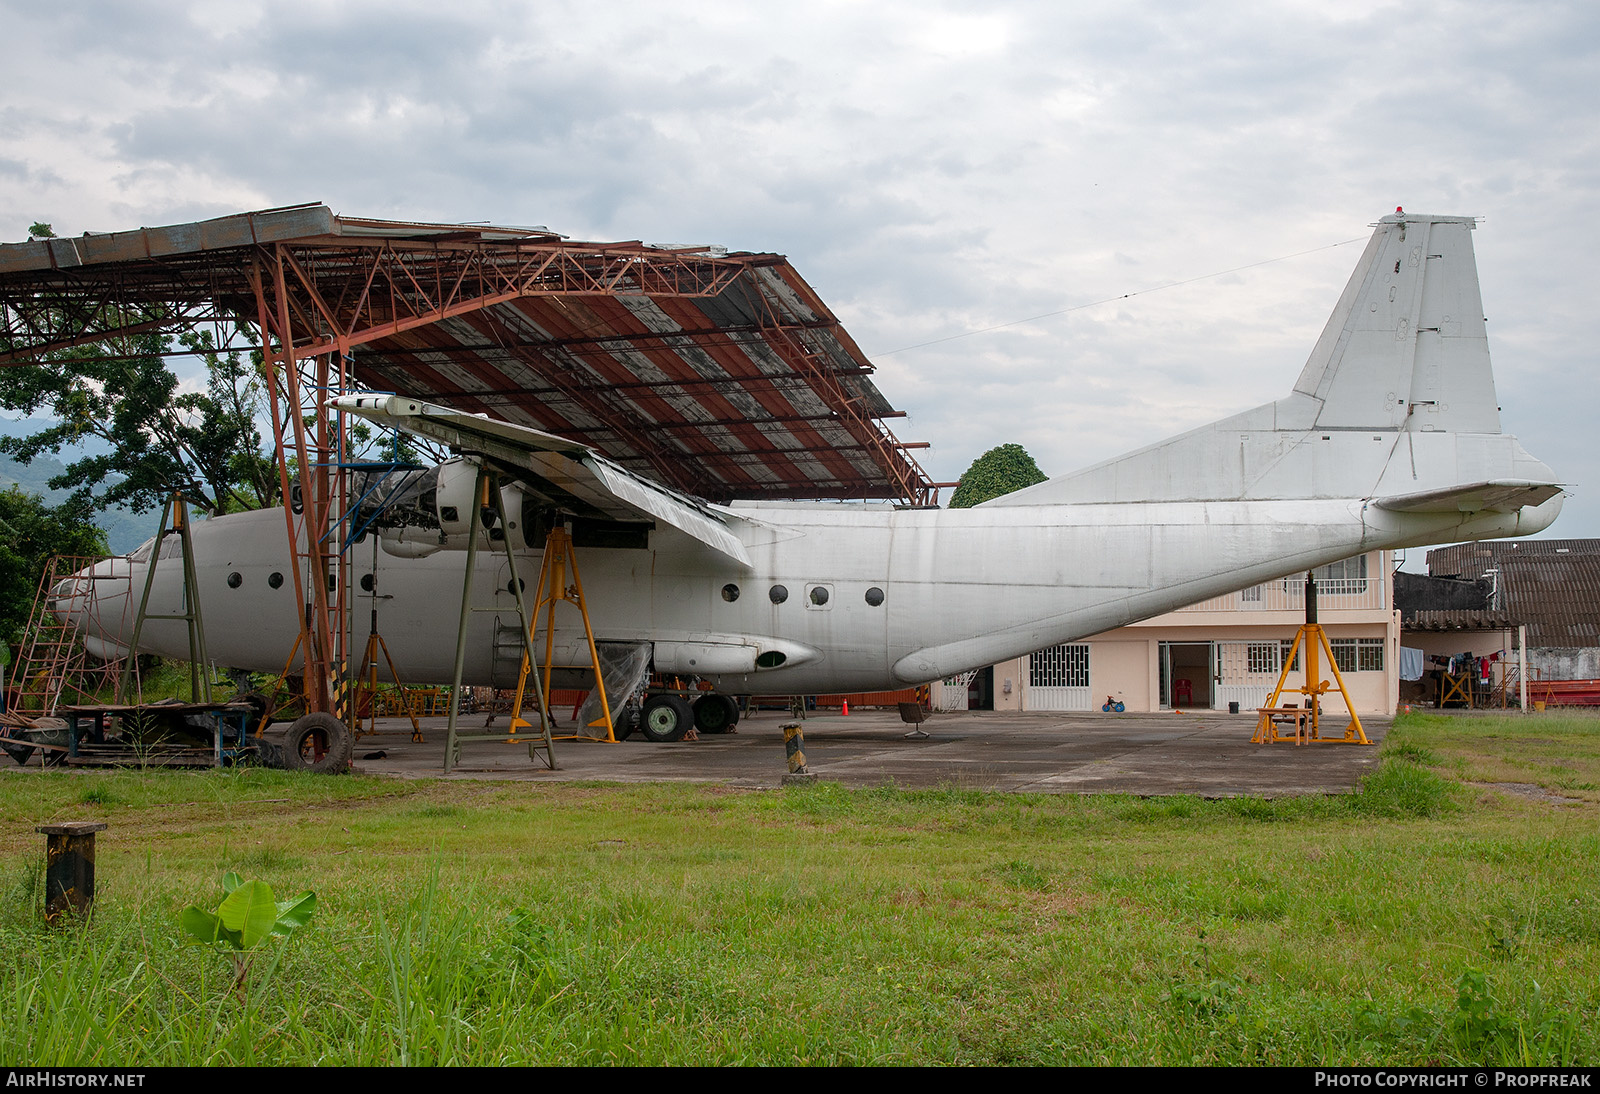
275, 579
367, 583
730, 593
819, 594
235, 579
777, 594
874, 596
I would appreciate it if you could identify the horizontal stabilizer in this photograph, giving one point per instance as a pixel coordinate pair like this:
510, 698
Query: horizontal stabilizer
1499, 495
552, 466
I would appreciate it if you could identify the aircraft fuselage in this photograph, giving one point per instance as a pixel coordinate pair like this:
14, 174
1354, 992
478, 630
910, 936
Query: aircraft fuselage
872, 598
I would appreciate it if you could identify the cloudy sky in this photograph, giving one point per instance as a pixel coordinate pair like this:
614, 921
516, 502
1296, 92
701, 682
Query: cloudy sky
932, 169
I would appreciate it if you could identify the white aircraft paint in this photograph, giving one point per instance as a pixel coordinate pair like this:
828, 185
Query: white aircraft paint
1390, 438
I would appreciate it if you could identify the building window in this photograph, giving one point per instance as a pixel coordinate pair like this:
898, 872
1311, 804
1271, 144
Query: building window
1060, 667
1344, 654
1369, 654
1263, 658
1357, 654
1285, 646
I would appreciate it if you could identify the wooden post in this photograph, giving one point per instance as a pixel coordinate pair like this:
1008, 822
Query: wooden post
69, 867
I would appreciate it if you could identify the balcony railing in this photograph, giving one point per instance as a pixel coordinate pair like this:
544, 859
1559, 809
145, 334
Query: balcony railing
1289, 594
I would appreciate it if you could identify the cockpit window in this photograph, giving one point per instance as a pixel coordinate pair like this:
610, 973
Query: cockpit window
141, 553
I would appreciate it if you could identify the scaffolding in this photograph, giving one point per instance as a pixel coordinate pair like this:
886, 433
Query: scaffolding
52, 668
490, 500
174, 522
720, 374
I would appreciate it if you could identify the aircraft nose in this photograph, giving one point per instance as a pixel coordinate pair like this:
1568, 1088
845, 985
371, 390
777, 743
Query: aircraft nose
77, 598
69, 597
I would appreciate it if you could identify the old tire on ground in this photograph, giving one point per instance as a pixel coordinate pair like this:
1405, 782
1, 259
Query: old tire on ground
715, 712
319, 743
665, 718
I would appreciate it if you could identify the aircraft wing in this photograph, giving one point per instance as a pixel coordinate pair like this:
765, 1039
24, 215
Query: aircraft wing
1498, 495
555, 467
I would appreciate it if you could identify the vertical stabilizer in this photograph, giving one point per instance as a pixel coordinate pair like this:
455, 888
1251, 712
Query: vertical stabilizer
1396, 401
1406, 347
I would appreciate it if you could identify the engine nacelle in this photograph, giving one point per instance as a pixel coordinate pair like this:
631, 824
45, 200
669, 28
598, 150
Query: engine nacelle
451, 500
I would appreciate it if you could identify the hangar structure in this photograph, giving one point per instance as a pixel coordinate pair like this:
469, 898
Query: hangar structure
720, 374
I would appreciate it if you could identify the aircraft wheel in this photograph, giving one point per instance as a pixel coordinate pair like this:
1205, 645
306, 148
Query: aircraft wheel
715, 712
665, 718
626, 722
319, 743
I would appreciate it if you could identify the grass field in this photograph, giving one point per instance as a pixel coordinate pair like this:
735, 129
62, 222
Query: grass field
1446, 913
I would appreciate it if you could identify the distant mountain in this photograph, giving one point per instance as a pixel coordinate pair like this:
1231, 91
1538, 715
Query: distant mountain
124, 528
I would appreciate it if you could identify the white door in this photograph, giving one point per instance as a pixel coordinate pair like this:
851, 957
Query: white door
1058, 679
1246, 672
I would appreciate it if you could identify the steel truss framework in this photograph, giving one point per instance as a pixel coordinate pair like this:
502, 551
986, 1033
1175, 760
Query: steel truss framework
720, 374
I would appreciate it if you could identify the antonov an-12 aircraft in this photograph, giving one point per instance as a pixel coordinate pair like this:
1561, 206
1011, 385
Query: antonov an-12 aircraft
1390, 438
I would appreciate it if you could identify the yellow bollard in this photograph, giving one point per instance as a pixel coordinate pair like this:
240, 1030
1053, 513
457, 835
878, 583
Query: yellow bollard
794, 745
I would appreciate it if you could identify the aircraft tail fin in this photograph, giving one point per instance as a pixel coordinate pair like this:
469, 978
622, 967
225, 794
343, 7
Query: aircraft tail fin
1397, 401
1406, 347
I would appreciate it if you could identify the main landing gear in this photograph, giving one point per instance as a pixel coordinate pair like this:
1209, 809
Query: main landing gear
669, 715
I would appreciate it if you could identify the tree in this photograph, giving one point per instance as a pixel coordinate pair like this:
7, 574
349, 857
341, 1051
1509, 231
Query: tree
998, 471
31, 533
159, 439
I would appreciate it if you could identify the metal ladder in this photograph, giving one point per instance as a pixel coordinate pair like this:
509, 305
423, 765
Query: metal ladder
52, 660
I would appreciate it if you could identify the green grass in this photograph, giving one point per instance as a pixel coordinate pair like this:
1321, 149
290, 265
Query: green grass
1430, 918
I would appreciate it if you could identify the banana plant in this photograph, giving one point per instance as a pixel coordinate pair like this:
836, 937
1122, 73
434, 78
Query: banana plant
247, 915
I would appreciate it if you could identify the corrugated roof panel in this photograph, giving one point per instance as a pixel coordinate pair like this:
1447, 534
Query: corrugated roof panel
720, 374
1557, 594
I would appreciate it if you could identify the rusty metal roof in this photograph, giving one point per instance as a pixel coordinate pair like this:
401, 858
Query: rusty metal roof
723, 374
1553, 585
1473, 560
1559, 595
1457, 619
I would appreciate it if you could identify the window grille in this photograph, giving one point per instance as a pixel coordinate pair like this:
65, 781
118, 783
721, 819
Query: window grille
1263, 658
1060, 667
1370, 654
1285, 646
1344, 654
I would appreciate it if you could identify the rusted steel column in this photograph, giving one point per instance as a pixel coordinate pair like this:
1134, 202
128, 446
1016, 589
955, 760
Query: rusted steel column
69, 867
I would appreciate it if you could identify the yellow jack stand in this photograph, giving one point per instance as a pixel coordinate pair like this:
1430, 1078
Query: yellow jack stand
1307, 720
553, 588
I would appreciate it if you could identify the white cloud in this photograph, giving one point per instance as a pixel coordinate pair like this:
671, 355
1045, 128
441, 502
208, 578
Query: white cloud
930, 169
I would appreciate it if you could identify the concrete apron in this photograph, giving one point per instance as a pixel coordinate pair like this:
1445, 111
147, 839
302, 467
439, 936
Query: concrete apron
1204, 753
